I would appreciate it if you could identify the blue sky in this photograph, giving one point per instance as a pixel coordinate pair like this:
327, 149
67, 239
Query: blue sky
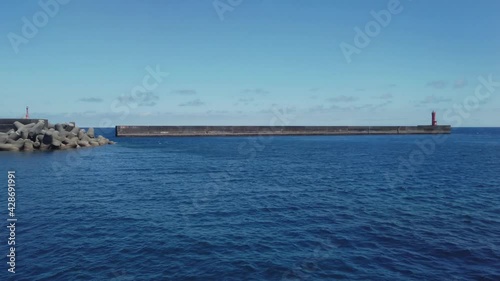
233, 62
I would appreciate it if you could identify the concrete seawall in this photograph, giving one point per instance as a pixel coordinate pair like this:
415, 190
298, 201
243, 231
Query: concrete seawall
182, 131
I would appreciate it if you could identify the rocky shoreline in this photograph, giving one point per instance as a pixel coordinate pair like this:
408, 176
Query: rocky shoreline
44, 137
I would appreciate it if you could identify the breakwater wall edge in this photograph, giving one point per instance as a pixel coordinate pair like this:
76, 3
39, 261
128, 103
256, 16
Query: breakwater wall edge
179, 131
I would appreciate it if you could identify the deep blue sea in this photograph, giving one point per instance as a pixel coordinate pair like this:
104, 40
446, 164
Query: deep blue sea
250, 208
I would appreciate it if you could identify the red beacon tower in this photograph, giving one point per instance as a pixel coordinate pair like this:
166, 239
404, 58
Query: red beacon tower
27, 113
434, 122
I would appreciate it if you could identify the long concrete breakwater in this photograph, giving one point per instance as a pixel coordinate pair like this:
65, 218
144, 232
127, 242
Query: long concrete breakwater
196, 131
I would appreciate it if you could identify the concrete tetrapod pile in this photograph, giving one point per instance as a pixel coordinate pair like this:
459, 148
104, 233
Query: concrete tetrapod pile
41, 136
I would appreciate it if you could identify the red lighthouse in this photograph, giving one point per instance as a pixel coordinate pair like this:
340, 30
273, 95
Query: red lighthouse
434, 122
27, 113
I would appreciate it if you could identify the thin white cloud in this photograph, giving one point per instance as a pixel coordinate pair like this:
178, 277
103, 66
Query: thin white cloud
343, 98
196, 102
434, 100
386, 96
91, 99
256, 91
460, 83
185, 92
437, 84
141, 99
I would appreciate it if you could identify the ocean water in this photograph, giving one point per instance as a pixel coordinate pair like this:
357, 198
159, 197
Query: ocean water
273, 208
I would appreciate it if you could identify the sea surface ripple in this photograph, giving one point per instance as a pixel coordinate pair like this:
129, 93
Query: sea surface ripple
271, 208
